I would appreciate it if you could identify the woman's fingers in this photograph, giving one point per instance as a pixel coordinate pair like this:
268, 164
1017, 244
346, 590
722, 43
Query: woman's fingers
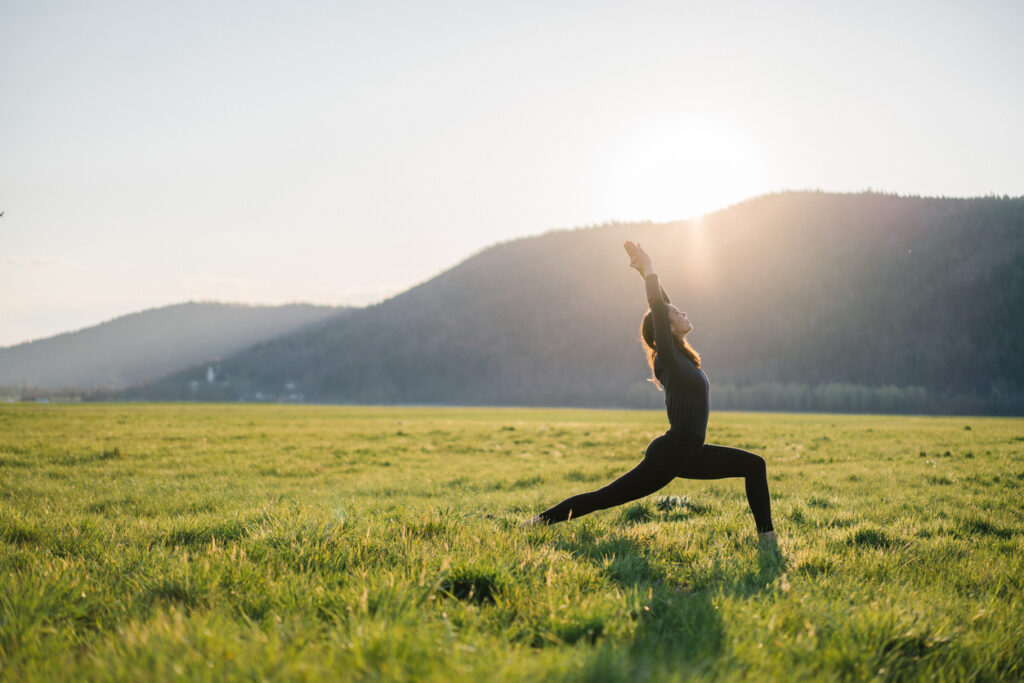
631, 249
637, 256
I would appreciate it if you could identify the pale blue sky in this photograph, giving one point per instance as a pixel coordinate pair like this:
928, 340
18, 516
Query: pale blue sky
265, 152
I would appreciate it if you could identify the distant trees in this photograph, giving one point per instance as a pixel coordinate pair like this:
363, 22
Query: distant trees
839, 397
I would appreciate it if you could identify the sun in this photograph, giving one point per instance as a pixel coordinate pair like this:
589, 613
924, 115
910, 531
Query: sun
682, 169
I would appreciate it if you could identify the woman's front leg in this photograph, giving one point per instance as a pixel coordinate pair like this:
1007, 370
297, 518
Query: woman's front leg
720, 462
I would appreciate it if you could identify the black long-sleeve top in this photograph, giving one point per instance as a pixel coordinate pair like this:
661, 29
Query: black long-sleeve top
686, 386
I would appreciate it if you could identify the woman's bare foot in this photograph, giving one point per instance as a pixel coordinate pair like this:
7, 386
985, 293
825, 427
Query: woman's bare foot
530, 523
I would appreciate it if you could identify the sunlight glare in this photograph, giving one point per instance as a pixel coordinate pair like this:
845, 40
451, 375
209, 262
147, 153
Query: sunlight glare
692, 250
671, 172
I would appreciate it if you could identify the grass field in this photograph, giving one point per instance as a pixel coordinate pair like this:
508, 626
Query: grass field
250, 541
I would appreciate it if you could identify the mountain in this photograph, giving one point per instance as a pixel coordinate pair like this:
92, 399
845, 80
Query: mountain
143, 346
800, 301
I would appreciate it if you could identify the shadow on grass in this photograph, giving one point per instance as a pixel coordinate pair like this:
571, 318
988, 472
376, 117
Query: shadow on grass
679, 628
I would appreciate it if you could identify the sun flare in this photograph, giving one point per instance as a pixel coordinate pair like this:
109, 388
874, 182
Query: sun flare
677, 171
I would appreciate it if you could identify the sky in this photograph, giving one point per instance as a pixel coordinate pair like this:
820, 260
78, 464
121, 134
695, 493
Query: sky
340, 152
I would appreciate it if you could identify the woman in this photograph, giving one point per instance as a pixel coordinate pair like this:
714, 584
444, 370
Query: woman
681, 451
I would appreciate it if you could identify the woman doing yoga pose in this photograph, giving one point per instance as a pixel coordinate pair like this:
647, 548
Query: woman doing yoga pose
681, 451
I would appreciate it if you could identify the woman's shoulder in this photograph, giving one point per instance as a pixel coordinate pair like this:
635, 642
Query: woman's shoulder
683, 365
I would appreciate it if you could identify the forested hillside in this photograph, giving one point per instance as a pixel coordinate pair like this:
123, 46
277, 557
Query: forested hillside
144, 346
801, 301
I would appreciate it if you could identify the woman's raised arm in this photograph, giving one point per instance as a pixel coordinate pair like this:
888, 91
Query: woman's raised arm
657, 299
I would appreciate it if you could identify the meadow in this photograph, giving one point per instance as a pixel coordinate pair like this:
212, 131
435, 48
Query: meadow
212, 542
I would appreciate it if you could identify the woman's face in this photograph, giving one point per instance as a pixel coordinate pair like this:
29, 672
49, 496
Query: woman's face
678, 321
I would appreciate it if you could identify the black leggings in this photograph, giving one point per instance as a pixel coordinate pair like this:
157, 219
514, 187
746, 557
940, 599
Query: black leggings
670, 456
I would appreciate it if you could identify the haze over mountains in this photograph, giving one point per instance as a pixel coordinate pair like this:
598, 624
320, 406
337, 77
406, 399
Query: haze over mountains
801, 300
145, 346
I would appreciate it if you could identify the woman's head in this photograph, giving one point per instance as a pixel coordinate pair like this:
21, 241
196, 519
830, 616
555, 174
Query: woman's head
680, 326
678, 322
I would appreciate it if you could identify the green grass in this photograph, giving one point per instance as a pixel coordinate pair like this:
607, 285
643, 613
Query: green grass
299, 542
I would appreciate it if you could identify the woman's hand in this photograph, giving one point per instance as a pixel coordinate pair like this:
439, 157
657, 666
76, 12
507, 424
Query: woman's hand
638, 258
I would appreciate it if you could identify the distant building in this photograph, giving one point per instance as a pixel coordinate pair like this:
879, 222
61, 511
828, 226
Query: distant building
215, 373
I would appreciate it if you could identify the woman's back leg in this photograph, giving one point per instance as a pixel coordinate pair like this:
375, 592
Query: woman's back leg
642, 480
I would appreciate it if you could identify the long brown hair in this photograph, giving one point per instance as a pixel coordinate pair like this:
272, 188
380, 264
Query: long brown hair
647, 339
